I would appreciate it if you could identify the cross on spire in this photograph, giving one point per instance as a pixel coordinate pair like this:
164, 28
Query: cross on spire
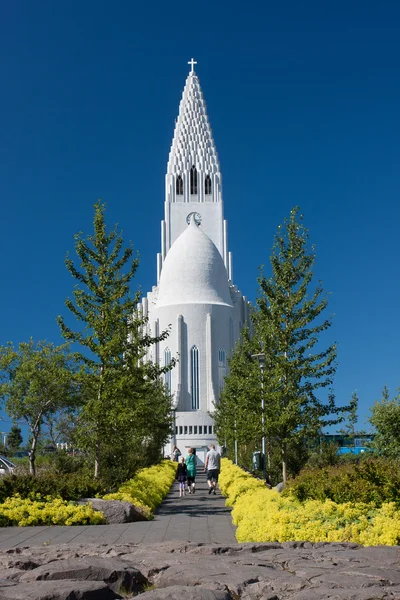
192, 62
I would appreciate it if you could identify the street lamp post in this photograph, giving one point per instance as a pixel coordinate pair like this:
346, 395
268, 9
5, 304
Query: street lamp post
260, 358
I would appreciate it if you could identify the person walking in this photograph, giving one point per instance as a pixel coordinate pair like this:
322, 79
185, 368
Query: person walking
181, 475
191, 471
176, 454
212, 466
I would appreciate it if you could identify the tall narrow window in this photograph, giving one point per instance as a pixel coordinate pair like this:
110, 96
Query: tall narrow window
168, 374
221, 368
179, 186
193, 180
194, 368
207, 185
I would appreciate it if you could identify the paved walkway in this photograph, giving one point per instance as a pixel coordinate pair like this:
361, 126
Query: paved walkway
194, 518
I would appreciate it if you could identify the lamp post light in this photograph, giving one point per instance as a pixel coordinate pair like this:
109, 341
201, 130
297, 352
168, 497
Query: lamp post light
260, 358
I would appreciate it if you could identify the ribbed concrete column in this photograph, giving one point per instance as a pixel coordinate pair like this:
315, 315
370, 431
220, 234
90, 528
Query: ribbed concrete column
225, 246
209, 370
179, 367
157, 344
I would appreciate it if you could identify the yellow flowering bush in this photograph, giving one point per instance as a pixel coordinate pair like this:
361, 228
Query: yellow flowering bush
47, 511
264, 515
148, 488
234, 482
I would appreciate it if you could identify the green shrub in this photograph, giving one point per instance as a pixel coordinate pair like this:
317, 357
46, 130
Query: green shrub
68, 487
370, 480
64, 463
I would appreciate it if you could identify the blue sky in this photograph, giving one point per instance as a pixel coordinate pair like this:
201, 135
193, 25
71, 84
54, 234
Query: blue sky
303, 100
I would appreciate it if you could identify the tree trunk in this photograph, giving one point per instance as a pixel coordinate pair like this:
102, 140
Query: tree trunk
284, 462
96, 468
97, 447
269, 457
32, 456
97, 460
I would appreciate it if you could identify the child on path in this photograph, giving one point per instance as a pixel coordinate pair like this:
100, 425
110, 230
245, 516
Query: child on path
181, 475
191, 471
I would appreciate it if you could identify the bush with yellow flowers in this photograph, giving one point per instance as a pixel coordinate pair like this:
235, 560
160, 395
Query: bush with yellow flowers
264, 515
147, 488
46, 511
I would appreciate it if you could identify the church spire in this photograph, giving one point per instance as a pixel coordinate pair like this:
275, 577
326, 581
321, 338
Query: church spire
193, 182
193, 144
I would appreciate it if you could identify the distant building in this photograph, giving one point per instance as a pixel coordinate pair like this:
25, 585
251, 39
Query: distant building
346, 445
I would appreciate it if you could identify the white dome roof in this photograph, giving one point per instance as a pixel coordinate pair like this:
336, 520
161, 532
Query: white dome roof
193, 272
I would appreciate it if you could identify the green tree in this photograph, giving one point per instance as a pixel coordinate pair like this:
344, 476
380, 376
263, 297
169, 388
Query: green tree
288, 327
35, 382
14, 438
350, 430
60, 427
237, 415
120, 381
386, 420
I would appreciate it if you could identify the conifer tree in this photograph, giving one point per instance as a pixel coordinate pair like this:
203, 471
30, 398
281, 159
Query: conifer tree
14, 438
119, 380
236, 417
288, 327
349, 430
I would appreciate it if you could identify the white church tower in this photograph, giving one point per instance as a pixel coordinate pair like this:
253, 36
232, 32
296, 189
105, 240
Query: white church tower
195, 295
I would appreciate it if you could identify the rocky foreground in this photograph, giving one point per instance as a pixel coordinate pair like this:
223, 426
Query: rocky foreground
189, 571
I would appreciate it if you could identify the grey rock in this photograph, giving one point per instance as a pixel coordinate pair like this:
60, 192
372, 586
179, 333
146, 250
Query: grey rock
216, 574
19, 562
181, 592
116, 511
116, 573
63, 590
13, 573
326, 593
279, 487
190, 571
4, 583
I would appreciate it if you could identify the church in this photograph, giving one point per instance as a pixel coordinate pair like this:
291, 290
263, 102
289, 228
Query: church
195, 295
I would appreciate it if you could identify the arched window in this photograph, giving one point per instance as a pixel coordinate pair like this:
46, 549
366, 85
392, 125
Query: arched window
207, 185
221, 368
194, 372
179, 186
193, 180
168, 374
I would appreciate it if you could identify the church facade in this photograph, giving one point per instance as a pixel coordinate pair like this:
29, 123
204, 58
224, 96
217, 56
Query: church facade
195, 296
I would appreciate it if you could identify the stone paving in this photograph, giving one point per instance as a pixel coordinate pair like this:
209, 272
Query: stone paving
188, 552
193, 518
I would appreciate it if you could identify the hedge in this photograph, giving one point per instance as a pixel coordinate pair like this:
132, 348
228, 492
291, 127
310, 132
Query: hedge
146, 490
264, 515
